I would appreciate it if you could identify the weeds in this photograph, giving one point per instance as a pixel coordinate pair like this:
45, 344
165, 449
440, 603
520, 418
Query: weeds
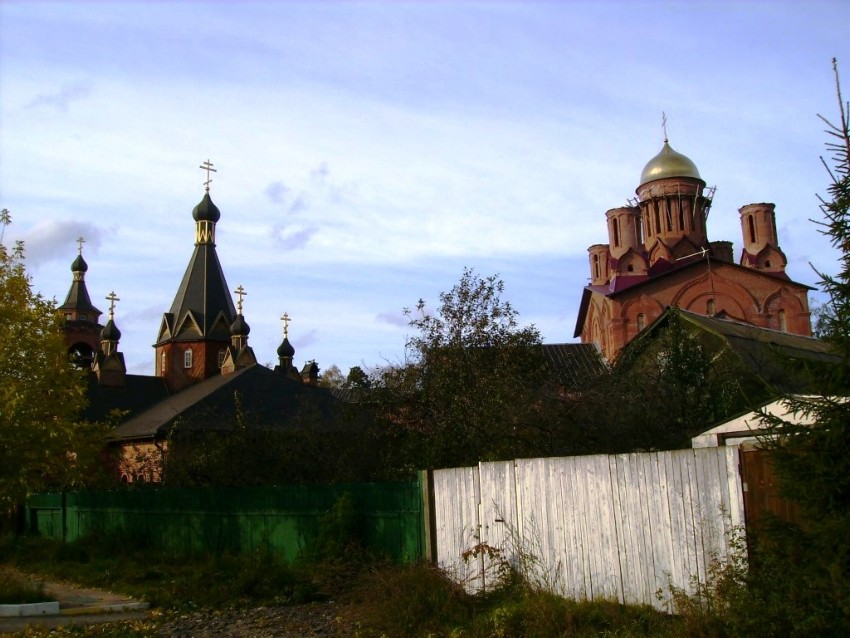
16, 589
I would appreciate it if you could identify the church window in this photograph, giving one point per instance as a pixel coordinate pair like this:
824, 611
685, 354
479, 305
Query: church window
615, 226
187, 358
83, 318
767, 263
783, 322
596, 266
630, 268
641, 321
751, 226
162, 363
710, 309
669, 217
69, 317
221, 358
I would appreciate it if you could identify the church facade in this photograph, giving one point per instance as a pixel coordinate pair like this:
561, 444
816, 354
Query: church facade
658, 255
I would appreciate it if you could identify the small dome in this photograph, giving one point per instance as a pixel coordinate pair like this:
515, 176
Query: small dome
206, 210
668, 163
285, 349
79, 264
110, 332
240, 327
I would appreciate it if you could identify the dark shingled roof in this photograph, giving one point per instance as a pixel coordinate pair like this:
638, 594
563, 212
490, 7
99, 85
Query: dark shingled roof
264, 398
138, 394
574, 365
766, 352
751, 341
203, 292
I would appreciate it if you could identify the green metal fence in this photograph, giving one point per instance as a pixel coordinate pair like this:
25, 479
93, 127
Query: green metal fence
387, 517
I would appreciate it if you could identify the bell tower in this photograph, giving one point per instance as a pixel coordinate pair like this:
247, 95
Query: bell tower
194, 334
82, 327
761, 246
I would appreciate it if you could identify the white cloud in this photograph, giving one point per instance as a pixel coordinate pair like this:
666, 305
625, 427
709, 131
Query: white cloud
61, 99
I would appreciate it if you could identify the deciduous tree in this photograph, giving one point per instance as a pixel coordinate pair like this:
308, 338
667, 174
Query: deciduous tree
470, 386
41, 394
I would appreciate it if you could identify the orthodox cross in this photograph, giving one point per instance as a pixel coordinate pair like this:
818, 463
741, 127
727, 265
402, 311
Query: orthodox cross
111, 298
240, 291
664, 125
80, 242
208, 167
285, 319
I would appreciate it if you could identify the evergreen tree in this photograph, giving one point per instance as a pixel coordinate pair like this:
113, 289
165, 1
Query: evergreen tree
801, 572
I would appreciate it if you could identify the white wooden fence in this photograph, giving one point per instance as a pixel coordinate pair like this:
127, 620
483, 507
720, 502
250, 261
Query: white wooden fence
621, 527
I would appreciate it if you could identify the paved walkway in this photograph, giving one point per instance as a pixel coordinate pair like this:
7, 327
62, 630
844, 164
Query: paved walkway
78, 606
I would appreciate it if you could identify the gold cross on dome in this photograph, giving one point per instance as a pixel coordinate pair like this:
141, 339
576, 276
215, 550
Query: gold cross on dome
208, 167
664, 125
240, 291
285, 319
112, 298
80, 242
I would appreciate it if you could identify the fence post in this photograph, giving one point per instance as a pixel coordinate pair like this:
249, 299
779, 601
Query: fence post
63, 502
426, 489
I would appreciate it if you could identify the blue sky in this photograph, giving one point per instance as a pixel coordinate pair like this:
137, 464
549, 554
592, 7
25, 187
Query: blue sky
368, 151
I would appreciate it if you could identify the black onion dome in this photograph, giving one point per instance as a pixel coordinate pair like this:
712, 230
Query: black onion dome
79, 264
240, 327
285, 349
110, 332
206, 210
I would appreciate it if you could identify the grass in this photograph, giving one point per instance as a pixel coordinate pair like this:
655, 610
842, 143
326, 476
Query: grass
386, 600
165, 580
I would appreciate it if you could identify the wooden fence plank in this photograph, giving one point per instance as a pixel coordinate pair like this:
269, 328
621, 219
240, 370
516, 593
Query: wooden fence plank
615, 527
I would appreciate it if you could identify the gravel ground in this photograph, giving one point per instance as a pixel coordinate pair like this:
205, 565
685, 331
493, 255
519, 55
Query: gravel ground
297, 621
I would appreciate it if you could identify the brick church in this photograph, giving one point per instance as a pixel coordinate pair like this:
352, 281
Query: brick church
658, 255
202, 361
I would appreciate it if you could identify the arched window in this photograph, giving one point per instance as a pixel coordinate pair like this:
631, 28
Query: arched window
641, 322
710, 308
783, 322
162, 363
615, 226
596, 266
187, 358
751, 225
221, 357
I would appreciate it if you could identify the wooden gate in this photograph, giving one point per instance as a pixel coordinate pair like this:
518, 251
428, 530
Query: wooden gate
761, 489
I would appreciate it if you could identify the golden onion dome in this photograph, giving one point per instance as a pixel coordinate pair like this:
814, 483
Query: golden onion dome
668, 163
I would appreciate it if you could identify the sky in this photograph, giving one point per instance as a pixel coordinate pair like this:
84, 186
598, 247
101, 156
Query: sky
368, 152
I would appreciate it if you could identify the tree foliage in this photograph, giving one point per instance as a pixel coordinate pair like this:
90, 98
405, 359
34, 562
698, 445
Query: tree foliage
469, 388
663, 389
41, 394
